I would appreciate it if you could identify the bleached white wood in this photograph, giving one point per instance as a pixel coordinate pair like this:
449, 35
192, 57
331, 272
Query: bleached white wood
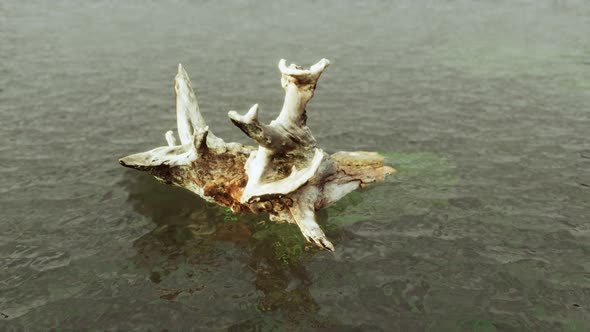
257, 165
170, 139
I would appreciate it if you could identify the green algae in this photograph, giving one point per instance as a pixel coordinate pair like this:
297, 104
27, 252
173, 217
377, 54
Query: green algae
424, 181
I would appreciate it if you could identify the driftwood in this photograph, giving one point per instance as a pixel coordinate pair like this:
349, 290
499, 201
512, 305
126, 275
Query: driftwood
288, 175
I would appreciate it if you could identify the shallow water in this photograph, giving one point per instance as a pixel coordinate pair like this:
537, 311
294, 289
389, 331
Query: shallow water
483, 107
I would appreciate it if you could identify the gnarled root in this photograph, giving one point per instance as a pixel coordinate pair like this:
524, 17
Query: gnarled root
288, 176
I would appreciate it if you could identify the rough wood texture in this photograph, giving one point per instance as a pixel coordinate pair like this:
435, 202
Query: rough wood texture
288, 175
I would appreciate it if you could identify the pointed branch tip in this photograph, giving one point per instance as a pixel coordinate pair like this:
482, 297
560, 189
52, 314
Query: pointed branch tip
251, 117
170, 138
182, 72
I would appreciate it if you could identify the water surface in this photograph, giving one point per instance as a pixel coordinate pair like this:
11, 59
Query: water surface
483, 107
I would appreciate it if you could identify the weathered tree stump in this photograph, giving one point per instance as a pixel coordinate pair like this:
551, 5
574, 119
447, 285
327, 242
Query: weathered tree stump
288, 175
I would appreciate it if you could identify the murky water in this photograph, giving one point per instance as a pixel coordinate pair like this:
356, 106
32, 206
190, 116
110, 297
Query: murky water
483, 107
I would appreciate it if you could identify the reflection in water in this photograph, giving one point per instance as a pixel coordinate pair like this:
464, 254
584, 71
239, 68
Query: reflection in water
190, 233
